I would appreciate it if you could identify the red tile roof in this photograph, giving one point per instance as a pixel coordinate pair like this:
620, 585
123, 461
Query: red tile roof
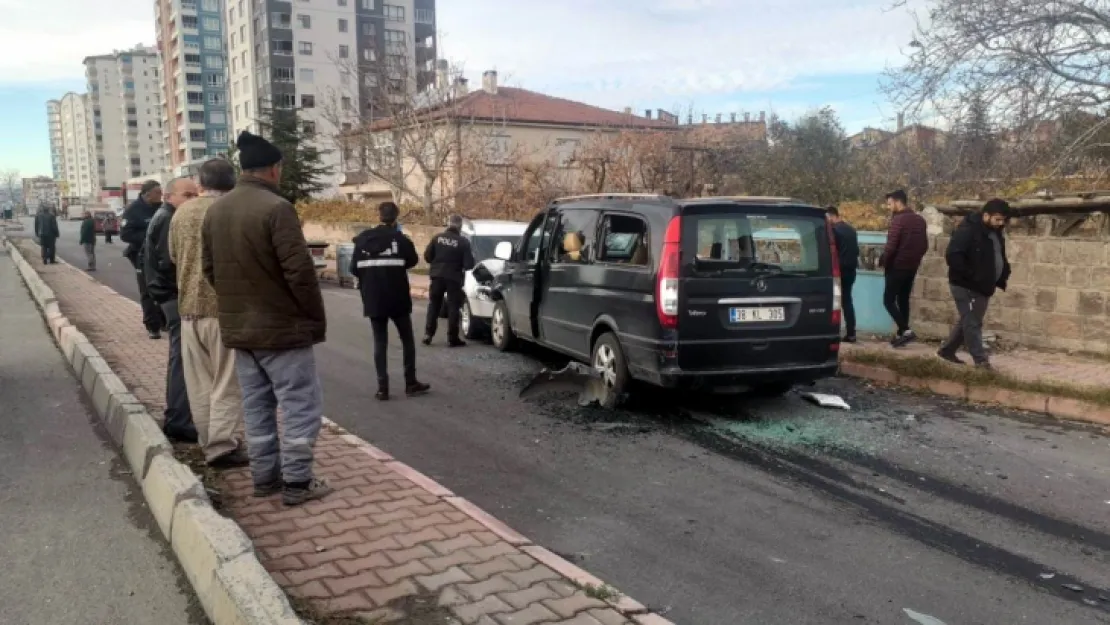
511, 104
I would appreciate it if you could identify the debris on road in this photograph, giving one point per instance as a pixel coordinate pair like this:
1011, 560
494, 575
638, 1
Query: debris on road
1047, 575
1073, 587
922, 619
573, 377
825, 400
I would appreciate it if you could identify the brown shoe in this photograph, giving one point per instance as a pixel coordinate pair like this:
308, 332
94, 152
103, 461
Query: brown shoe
268, 490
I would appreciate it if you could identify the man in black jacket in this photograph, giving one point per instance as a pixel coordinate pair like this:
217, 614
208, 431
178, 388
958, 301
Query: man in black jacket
161, 285
847, 250
135, 220
449, 257
46, 229
977, 265
381, 261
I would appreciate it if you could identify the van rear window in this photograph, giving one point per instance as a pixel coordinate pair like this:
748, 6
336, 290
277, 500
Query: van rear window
742, 242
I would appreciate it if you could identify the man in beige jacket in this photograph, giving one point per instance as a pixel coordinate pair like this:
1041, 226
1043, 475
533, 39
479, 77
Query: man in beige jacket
210, 377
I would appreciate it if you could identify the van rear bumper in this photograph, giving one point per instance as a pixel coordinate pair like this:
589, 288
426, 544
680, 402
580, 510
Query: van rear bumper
800, 373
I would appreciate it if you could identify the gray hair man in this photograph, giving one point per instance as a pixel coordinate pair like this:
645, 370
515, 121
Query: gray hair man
133, 225
209, 366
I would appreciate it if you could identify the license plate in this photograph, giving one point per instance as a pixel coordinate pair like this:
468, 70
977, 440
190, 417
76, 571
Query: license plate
756, 315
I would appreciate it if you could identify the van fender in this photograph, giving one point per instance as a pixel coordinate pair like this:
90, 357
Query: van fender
602, 324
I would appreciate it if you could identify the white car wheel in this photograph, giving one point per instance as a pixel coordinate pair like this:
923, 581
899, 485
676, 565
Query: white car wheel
467, 325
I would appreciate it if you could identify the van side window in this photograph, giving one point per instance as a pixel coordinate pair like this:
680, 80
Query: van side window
626, 241
539, 233
574, 237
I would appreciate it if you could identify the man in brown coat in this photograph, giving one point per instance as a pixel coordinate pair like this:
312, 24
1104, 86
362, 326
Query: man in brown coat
271, 313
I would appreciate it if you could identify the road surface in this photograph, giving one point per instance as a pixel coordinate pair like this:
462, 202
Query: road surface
763, 512
78, 544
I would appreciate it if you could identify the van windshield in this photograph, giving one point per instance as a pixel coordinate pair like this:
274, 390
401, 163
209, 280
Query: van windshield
758, 243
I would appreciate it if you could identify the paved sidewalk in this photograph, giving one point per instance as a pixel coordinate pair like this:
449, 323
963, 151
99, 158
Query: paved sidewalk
389, 543
1021, 364
77, 544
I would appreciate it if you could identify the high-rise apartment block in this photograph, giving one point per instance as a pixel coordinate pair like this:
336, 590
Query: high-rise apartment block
312, 54
192, 43
72, 139
125, 105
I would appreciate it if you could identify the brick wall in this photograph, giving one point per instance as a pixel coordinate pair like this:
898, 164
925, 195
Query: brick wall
1057, 295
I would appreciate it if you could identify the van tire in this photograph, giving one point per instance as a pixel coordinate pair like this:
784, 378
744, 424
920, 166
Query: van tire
501, 331
608, 358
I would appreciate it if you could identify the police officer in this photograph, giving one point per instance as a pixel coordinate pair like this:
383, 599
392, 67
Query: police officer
136, 219
449, 256
381, 260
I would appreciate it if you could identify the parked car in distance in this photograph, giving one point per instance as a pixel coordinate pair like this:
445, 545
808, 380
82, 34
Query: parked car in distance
724, 294
106, 222
484, 236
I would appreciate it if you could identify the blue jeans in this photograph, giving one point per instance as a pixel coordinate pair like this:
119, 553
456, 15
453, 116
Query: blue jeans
285, 378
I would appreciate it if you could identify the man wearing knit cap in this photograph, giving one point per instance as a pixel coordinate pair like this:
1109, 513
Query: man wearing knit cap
271, 313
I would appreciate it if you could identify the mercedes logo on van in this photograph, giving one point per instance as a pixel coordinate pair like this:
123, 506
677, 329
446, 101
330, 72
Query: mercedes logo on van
761, 285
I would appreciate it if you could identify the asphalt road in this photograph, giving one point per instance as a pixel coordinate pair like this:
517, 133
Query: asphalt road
768, 512
77, 544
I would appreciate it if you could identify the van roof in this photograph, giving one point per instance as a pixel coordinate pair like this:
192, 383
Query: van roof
665, 203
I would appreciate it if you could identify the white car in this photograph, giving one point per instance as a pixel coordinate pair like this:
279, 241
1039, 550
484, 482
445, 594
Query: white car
484, 235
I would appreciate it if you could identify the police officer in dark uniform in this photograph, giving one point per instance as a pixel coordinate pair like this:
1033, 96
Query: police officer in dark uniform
381, 260
449, 257
136, 219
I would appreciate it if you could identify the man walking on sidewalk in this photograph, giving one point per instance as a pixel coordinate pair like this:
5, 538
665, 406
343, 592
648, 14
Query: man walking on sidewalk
381, 262
161, 284
46, 229
271, 313
449, 256
135, 221
847, 249
88, 239
210, 380
977, 265
906, 243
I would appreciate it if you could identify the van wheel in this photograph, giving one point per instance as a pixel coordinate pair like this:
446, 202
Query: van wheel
500, 330
774, 389
608, 360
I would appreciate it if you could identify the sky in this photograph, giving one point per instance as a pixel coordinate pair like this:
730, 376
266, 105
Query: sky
711, 56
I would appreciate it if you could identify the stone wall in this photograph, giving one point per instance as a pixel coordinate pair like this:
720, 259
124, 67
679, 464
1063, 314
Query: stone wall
1056, 297
336, 234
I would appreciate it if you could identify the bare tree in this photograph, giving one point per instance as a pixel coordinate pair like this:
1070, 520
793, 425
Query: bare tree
419, 134
10, 182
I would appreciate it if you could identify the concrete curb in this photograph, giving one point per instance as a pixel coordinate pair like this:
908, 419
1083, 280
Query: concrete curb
1041, 403
627, 606
216, 555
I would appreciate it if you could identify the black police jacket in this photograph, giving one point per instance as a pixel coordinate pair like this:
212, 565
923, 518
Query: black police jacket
380, 263
449, 256
158, 269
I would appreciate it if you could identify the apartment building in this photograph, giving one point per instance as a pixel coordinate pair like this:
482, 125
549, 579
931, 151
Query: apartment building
39, 191
191, 40
312, 55
125, 106
71, 138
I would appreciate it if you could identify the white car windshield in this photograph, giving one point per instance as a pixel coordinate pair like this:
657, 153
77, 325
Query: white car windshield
482, 246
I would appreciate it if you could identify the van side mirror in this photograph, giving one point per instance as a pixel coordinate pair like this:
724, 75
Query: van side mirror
503, 251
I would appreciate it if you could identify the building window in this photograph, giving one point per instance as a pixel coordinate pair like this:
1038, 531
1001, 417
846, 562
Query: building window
243, 33
231, 15
367, 5
393, 13
217, 117
129, 86
192, 79
344, 52
212, 61
304, 20
234, 65
341, 3
308, 101
280, 20
394, 42
188, 21
370, 80
237, 112
211, 23
216, 97
283, 74
214, 80
346, 103
304, 48
247, 110
307, 74
132, 124
196, 135
369, 54
213, 43
368, 29
283, 47
210, 5
233, 40
309, 128
342, 25
285, 100
196, 117
219, 137
198, 153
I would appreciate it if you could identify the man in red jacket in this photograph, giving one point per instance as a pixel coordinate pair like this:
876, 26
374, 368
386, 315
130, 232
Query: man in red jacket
906, 243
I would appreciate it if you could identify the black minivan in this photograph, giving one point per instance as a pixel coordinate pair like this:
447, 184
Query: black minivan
725, 294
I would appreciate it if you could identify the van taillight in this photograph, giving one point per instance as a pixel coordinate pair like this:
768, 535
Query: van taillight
837, 292
666, 282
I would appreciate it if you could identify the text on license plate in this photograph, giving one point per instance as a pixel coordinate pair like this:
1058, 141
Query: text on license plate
755, 315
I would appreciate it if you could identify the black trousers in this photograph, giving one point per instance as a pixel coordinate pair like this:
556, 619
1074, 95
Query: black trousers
380, 328
48, 249
178, 414
453, 291
896, 296
847, 281
153, 317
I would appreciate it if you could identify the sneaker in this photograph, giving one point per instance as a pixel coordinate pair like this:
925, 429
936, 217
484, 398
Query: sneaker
849, 339
268, 490
296, 495
456, 343
154, 334
382, 395
952, 358
985, 366
427, 340
233, 459
904, 340
417, 388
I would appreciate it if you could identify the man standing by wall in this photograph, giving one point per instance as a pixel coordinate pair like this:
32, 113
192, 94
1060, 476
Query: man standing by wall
271, 313
46, 229
847, 249
977, 265
381, 262
88, 239
213, 388
136, 219
161, 284
906, 243
449, 255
